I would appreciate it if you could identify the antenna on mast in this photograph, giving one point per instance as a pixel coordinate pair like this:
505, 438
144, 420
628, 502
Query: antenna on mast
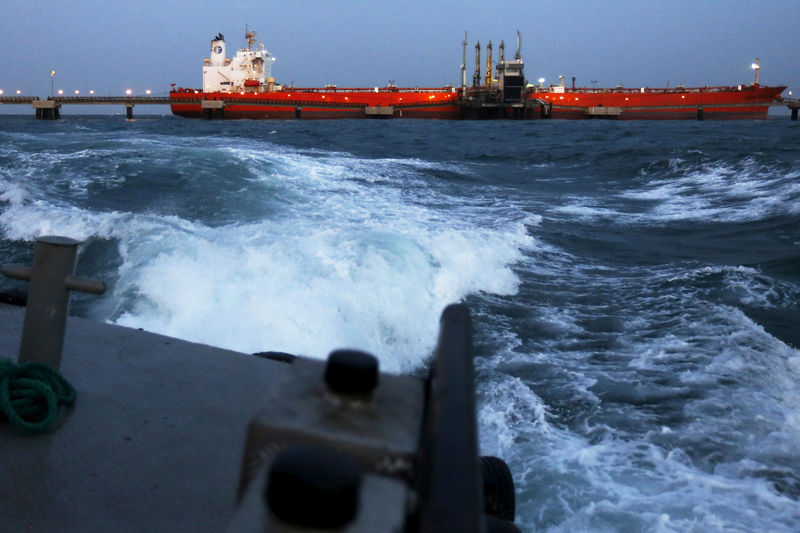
518, 55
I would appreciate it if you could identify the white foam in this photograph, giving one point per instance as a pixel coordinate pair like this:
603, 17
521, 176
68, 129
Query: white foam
711, 191
344, 264
730, 390
508, 409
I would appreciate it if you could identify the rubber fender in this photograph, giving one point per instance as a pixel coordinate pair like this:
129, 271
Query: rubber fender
282, 357
14, 297
498, 488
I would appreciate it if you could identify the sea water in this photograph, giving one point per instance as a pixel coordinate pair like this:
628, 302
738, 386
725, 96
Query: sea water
634, 286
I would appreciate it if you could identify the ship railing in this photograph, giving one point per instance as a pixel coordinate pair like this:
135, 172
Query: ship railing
446, 89
331, 89
109, 99
645, 90
17, 99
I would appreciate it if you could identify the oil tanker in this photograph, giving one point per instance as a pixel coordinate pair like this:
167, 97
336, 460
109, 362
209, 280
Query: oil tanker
737, 102
243, 87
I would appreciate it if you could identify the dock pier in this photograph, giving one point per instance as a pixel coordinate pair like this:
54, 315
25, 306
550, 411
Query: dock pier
793, 105
50, 108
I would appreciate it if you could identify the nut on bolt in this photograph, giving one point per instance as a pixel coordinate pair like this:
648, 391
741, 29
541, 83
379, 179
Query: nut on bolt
351, 372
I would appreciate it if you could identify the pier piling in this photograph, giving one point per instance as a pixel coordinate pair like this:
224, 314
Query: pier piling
47, 109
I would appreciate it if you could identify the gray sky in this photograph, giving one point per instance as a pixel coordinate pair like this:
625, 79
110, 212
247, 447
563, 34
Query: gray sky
111, 46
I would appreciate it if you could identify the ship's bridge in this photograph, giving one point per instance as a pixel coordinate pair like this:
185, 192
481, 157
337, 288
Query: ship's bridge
251, 65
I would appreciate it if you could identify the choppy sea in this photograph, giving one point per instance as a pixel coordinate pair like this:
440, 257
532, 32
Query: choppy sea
634, 286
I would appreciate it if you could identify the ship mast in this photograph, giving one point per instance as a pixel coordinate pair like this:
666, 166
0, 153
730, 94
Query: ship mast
250, 36
755, 67
476, 78
464, 63
489, 65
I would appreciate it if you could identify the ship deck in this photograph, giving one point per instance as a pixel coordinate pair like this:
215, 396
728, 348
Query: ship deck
153, 443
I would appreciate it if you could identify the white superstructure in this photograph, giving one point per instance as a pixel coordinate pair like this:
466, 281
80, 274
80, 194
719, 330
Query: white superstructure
250, 70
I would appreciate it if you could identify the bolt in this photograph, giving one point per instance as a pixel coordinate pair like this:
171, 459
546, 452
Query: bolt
351, 372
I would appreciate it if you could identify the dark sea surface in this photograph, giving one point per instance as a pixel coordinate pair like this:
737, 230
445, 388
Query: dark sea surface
635, 286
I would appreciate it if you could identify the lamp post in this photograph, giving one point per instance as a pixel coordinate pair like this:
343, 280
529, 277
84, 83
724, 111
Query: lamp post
52, 75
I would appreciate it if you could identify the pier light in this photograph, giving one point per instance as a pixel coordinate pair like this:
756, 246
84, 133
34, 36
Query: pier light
128, 92
1, 92
148, 91
19, 92
77, 91
91, 91
61, 91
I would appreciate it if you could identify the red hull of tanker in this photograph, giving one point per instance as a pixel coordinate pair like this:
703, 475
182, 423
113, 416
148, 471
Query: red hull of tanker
319, 104
742, 102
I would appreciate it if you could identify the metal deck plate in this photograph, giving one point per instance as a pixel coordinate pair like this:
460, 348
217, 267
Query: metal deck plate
153, 443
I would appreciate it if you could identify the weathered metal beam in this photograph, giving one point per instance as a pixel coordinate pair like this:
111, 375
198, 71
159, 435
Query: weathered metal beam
450, 490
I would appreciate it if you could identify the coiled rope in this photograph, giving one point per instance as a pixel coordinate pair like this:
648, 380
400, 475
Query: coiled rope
30, 394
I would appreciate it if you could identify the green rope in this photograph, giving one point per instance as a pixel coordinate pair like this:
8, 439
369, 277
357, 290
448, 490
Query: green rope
30, 394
